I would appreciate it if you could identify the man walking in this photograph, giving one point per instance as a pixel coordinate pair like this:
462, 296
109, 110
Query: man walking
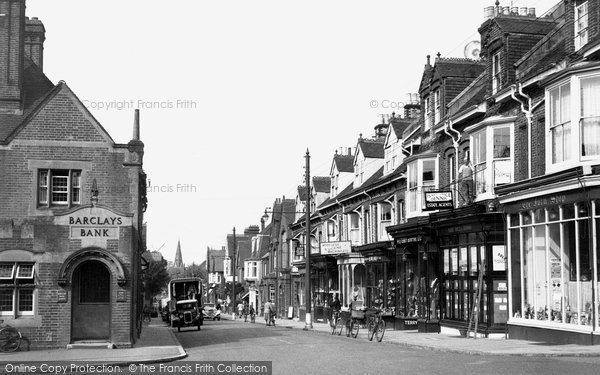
269, 313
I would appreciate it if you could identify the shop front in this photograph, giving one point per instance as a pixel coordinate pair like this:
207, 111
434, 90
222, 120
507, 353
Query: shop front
417, 282
471, 242
554, 265
324, 285
380, 278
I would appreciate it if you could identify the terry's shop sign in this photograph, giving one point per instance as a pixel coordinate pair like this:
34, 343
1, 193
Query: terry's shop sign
94, 223
438, 200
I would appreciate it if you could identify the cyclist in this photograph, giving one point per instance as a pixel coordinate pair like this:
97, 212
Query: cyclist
336, 306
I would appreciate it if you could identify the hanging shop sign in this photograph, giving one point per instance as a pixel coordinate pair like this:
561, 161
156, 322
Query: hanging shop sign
335, 248
438, 200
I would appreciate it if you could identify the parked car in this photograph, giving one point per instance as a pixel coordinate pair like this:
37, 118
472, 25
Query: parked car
186, 314
209, 311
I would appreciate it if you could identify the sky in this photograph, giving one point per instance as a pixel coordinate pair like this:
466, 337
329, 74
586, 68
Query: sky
233, 93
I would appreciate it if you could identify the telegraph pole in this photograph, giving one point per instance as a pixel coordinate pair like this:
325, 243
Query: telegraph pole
233, 268
308, 321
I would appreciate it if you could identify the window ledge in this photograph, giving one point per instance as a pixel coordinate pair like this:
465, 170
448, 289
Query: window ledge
23, 321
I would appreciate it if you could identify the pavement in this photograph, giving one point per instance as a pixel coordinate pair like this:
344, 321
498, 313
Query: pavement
454, 343
158, 344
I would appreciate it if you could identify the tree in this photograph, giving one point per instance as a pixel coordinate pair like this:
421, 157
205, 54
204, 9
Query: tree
156, 277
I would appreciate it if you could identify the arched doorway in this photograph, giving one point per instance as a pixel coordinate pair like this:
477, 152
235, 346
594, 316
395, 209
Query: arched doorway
91, 301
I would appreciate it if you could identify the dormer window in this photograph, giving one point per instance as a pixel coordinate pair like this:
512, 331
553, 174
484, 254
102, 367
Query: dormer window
496, 73
581, 24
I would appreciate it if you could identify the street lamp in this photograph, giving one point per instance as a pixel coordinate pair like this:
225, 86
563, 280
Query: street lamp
307, 244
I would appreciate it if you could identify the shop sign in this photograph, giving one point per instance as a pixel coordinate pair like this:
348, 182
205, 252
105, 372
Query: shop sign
334, 248
402, 240
499, 258
93, 223
438, 200
294, 269
545, 201
377, 259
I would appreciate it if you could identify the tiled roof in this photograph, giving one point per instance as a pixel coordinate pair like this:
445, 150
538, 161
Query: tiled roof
472, 95
548, 51
399, 125
372, 180
525, 25
372, 148
302, 193
457, 67
37, 89
322, 184
344, 163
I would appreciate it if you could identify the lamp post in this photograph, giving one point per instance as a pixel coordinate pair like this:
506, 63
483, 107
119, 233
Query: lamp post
308, 321
233, 271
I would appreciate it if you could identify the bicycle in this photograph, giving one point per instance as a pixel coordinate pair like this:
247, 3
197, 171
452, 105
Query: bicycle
10, 338
375, 325
252, 317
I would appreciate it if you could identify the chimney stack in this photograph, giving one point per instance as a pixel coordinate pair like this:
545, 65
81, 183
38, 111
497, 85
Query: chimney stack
35, 35
12, 34
136, 125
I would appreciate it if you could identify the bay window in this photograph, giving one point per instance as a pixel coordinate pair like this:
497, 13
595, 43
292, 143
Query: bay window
573, 129
422, 177
492, 158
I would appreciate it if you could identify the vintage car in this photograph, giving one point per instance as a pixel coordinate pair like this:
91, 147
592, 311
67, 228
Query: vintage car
209, 311
186, 314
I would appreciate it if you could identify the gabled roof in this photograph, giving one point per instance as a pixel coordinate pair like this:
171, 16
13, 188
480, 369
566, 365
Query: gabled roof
302, 193
399, 125
372, 148
215, 260
344, 163
322, 184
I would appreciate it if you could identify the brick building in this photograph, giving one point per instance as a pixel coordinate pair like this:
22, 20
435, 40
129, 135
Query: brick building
71, 204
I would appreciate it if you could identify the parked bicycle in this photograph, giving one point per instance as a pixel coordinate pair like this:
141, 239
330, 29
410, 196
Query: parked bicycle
10, 338
375, 325
339, 321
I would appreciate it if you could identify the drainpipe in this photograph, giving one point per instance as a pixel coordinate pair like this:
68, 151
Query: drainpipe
528, 115
455, 141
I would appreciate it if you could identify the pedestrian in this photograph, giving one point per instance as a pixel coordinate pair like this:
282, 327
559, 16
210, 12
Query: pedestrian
252, 314
240, 308
465, 175
269, 313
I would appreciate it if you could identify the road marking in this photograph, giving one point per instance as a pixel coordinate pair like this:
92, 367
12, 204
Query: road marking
287, 342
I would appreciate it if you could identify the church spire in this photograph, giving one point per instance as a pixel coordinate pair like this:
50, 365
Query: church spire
178, 258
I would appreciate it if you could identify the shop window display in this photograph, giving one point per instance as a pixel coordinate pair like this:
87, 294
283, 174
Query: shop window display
554, 245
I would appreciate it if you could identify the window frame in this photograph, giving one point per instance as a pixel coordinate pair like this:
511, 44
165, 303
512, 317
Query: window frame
487, 134
16, 287
415, 189
427, 113
496, 71
581, 14
437, 109
47, 187
576, 157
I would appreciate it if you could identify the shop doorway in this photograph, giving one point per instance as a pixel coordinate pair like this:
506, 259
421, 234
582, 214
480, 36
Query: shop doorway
91, 302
